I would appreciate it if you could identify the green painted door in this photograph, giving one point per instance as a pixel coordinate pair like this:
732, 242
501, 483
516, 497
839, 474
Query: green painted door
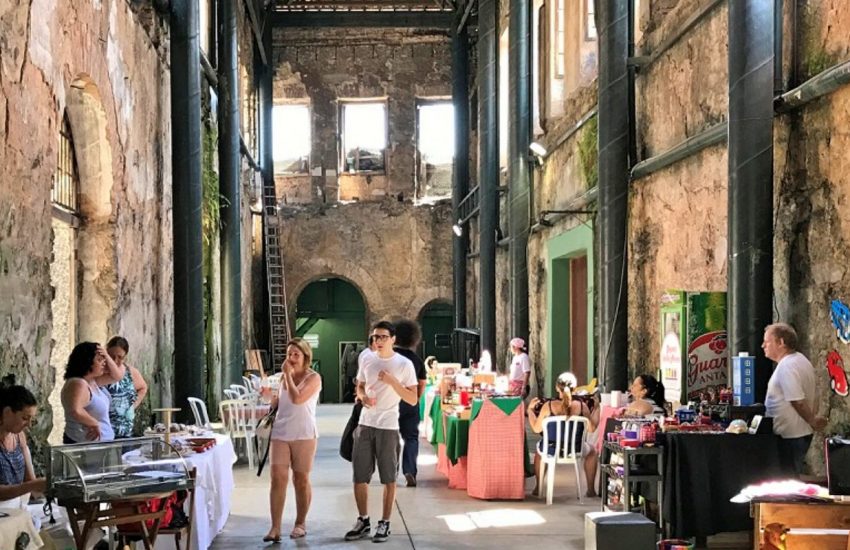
330, 311
437, 321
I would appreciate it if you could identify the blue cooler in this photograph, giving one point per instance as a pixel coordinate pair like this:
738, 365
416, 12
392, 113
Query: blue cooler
743, 380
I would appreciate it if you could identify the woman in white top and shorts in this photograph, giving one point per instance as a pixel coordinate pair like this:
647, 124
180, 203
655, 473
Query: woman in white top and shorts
294, 435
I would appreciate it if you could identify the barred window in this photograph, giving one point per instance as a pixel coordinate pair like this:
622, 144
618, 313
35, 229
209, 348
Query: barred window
66, 179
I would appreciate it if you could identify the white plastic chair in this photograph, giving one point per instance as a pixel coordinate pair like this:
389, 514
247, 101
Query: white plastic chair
202, 418
240, 389
565, 451
231, 394
235, 413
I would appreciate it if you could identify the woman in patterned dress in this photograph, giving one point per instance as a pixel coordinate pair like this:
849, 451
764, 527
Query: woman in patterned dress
128, 393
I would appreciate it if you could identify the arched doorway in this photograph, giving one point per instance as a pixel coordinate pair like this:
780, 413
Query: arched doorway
330, 313
437, 322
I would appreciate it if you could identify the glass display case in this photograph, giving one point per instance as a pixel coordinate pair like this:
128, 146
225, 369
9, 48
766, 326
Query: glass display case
114, 470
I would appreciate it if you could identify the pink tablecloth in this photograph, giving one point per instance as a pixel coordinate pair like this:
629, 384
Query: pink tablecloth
606, 413
457, 473
496, 465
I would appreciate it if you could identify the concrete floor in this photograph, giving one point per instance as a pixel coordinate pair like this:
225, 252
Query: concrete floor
427, 516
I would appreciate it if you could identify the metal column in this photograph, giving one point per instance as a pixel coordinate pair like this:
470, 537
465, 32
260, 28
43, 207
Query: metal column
231, 204
750, 152
186, 207
519, 185
488, 169
613, 23
460, 174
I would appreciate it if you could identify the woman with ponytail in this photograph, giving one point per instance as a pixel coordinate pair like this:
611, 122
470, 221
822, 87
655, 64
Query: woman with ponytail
564, 405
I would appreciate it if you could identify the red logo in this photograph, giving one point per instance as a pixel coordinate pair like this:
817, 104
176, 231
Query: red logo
837, 376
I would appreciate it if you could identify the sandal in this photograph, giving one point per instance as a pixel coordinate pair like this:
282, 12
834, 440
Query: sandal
298, 532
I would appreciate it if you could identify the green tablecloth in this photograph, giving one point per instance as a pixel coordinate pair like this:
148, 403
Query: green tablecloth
457, 438
436, 413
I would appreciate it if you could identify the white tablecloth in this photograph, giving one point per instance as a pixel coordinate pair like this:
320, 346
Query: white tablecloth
15, 523
213, 488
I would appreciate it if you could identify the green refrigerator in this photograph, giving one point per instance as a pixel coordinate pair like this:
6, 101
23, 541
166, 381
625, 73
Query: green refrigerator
694, 353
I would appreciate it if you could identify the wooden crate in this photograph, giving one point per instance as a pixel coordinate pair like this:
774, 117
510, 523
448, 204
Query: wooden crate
807, 526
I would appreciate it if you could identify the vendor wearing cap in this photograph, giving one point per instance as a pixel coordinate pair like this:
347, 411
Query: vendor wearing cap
520, 369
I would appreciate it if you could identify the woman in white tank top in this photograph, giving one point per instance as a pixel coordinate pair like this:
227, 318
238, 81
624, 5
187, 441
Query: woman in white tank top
294, 437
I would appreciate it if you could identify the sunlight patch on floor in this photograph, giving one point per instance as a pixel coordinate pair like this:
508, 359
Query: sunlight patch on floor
501, 517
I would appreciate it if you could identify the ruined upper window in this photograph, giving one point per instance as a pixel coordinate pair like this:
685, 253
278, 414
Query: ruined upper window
205, 20
291, 138
560, 38
66, 180
590, 20
435, 142
363, 136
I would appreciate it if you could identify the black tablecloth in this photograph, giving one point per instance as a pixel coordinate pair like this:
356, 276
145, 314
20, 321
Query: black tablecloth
703, 471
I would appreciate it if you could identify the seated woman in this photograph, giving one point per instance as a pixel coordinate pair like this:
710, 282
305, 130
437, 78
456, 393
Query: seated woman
647, 396
128, 393
17, 409
565, 405
84, 395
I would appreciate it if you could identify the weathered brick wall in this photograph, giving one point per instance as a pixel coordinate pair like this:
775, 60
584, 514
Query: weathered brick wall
128, 253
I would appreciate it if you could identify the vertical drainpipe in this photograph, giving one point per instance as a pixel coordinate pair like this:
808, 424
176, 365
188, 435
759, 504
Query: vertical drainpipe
267, 167
750, 153
460, 174
613, 18
519, 186
488, 170
187, 204
231, 203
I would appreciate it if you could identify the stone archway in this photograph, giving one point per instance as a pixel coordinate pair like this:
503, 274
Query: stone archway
96, 254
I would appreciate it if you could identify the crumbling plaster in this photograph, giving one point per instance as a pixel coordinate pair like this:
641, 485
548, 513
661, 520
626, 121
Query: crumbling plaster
46, 46
396, 254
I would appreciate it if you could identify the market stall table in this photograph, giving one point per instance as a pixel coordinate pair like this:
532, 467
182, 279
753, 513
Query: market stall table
497, 430
16, 524
213, 488
704, 471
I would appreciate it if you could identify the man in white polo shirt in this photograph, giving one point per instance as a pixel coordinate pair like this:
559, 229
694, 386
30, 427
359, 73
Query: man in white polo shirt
791, 397
384, 379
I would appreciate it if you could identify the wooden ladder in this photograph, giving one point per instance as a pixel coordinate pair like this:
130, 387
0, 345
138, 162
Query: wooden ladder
275, 276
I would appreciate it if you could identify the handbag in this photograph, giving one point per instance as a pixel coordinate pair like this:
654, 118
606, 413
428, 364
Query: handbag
263, 438
346, 443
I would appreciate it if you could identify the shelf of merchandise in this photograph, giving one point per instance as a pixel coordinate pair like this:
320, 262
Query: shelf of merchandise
629, 475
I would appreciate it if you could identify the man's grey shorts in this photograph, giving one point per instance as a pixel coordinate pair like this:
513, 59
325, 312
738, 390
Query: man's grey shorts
373, 445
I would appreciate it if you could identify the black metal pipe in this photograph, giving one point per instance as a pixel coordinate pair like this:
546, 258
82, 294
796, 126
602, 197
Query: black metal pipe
520, 173
712, 135
750, 152
460, 174
613, 18
186, 205
267, 168
819, 85
778, 84
231, 203
488, 169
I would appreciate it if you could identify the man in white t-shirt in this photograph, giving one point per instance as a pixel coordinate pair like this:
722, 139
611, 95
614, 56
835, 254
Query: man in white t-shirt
791, 396
385, 378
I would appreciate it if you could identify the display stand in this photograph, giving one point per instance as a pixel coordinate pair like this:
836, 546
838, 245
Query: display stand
166, 419
630, 475
118, 513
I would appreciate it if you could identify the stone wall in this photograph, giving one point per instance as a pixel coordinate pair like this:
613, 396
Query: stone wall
326, 65
677, 226
99, 62
398, 255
